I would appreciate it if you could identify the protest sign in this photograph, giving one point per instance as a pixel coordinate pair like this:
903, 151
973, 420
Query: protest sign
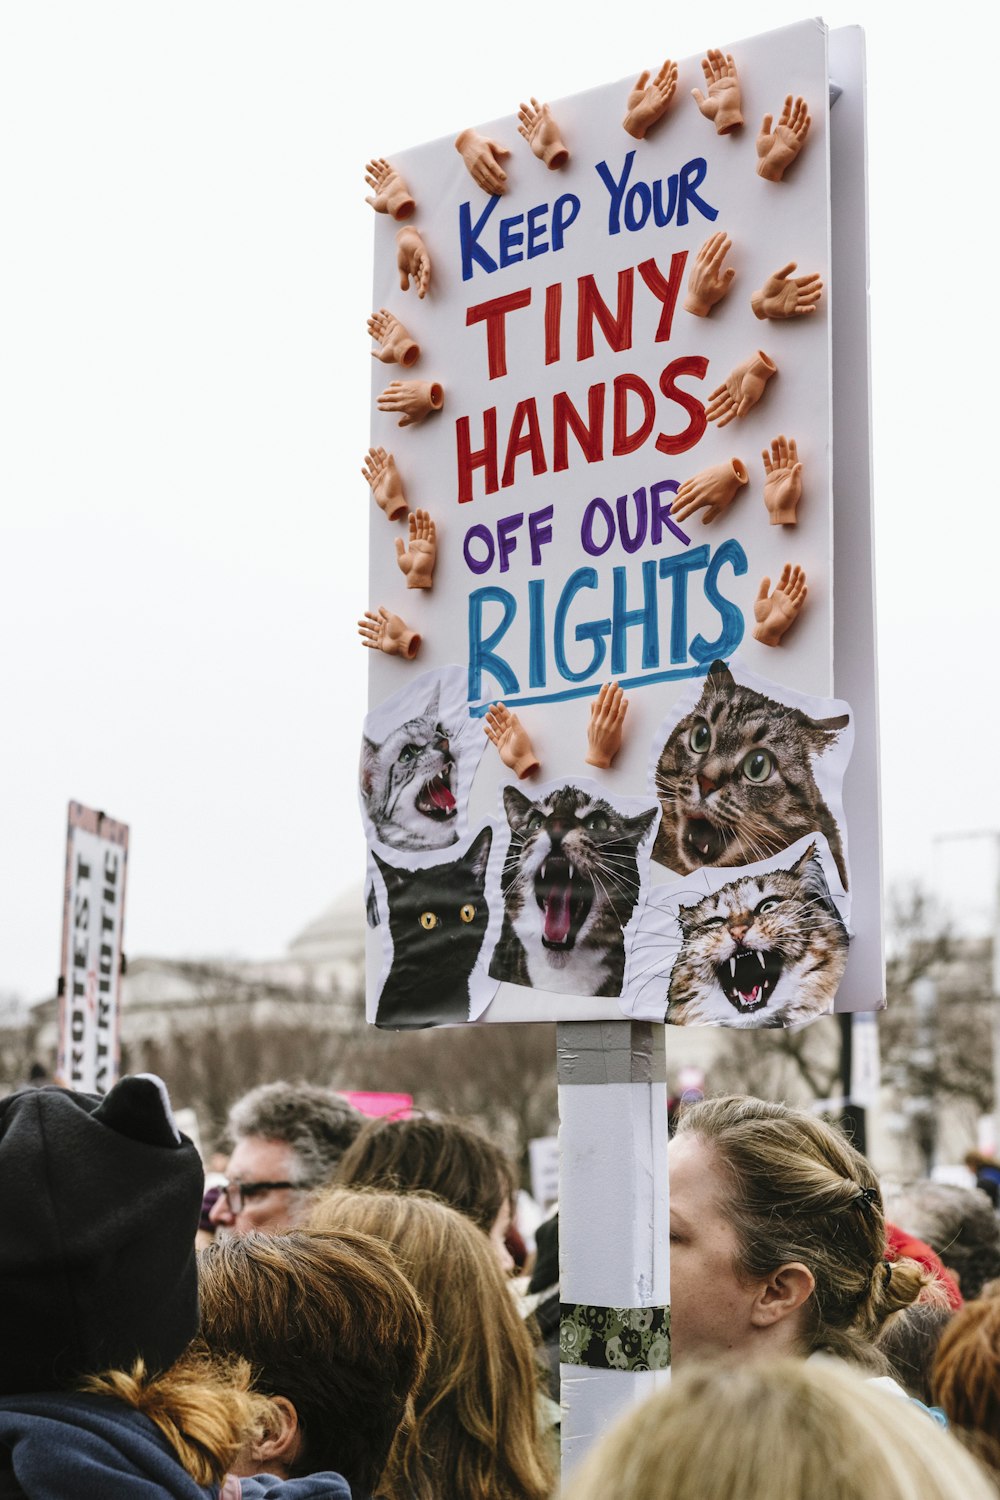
611, 477
90, 971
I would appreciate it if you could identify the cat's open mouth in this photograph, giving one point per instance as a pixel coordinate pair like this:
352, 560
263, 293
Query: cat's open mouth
705, 842
748, 977
436, 799
565, 896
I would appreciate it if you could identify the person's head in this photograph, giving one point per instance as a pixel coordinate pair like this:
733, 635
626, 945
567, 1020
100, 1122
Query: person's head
777, 1236
443, 1156
910, 1343
793, 1429
335, 1335
476, 1409
965, 1377
959, 1223
288, 1138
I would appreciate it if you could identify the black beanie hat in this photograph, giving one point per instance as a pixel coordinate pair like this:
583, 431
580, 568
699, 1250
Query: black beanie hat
99, 1203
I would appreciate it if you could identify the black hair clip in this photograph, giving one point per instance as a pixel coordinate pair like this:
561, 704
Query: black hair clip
868, 1197
886, 1274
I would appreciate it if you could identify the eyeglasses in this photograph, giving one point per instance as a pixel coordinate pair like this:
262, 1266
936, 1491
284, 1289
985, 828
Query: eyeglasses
238, 1193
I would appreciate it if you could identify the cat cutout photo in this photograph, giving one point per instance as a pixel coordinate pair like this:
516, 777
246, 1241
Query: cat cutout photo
737, 778
571, 884
417, 765
766, 949
437, 921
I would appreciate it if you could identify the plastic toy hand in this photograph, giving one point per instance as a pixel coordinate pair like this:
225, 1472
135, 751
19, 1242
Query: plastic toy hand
607, 720
648, 102
388, 633
708, 282
713, 490
511, 739
783, 296
723, 104
482, 157
412, 261
417, 563
542, 134
414, 398
392, 196
396, 346
783, 485
777, 149
741, 389
775, 614
386, 486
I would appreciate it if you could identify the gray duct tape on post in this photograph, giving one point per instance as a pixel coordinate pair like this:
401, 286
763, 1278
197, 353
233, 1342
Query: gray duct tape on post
610, 1052
614, 1338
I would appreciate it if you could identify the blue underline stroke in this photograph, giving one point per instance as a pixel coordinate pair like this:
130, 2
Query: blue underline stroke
701, 669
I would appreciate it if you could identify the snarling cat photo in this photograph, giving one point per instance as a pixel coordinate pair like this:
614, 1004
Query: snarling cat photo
418, 757
437, 918
765, 949
571, 882
748, 769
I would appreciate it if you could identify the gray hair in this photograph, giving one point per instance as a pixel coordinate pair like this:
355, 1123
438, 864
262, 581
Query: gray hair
316, 1123
959, 1223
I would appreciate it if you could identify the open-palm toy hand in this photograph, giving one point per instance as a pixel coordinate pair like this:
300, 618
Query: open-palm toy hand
607, 722
387, 632
778, 148
511, 739
386, 486
542, 134
783, 482
741, 389
413, 399
775, 612
722, 104
648, 102
709, 280
482, 157
412, 261
390, 193
416, 561
785, 296
396, 345
713, 490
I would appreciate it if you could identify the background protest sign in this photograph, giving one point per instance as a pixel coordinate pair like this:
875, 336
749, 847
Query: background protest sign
577, 394
90, 971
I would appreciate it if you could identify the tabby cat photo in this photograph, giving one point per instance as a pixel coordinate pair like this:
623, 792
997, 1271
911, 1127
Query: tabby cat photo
437, 921
736, 783
765, 950
408, 783
570, 885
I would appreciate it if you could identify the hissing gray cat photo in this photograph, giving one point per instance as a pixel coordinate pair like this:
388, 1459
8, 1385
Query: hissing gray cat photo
408, 783
764, 950
570, 884
735, 780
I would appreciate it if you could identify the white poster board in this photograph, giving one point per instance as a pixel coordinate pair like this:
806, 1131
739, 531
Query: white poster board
90, 971
576, 386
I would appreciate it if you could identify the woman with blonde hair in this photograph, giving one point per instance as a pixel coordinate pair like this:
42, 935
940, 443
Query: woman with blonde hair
777, 1238
476, 1433
792, 1429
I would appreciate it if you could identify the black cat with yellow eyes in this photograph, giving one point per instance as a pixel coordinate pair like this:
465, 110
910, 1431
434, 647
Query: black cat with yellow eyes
437, 920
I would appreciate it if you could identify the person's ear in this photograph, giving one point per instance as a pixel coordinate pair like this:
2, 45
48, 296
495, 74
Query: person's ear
782, 1294
281, 1445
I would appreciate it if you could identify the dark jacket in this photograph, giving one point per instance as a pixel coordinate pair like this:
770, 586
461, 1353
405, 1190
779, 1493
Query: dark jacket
65, 1446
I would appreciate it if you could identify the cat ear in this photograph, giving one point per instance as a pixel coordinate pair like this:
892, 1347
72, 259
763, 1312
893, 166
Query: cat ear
393, 878
517, 807
478, 854
809, 869
824, 732
684, 919
431, 711
369, 760
638, 827
720, 676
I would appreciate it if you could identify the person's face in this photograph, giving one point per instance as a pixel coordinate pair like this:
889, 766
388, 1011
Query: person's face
710, 1307
256, 1160
498, 1234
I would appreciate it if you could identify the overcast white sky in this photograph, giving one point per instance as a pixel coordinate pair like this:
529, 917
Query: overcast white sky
184, 286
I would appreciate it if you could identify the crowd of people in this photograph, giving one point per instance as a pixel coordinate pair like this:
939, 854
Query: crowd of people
351, 1325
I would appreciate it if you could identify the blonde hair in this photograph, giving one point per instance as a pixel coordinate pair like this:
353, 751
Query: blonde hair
476, 1432
798, 1191
203, 1406
793, 1428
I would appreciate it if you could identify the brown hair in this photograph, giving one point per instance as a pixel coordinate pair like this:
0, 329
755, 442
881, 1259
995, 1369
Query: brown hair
203, 1406
476, 1433
328, 1321
965, 1378
445, 1157
798, 1191
793, 1428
